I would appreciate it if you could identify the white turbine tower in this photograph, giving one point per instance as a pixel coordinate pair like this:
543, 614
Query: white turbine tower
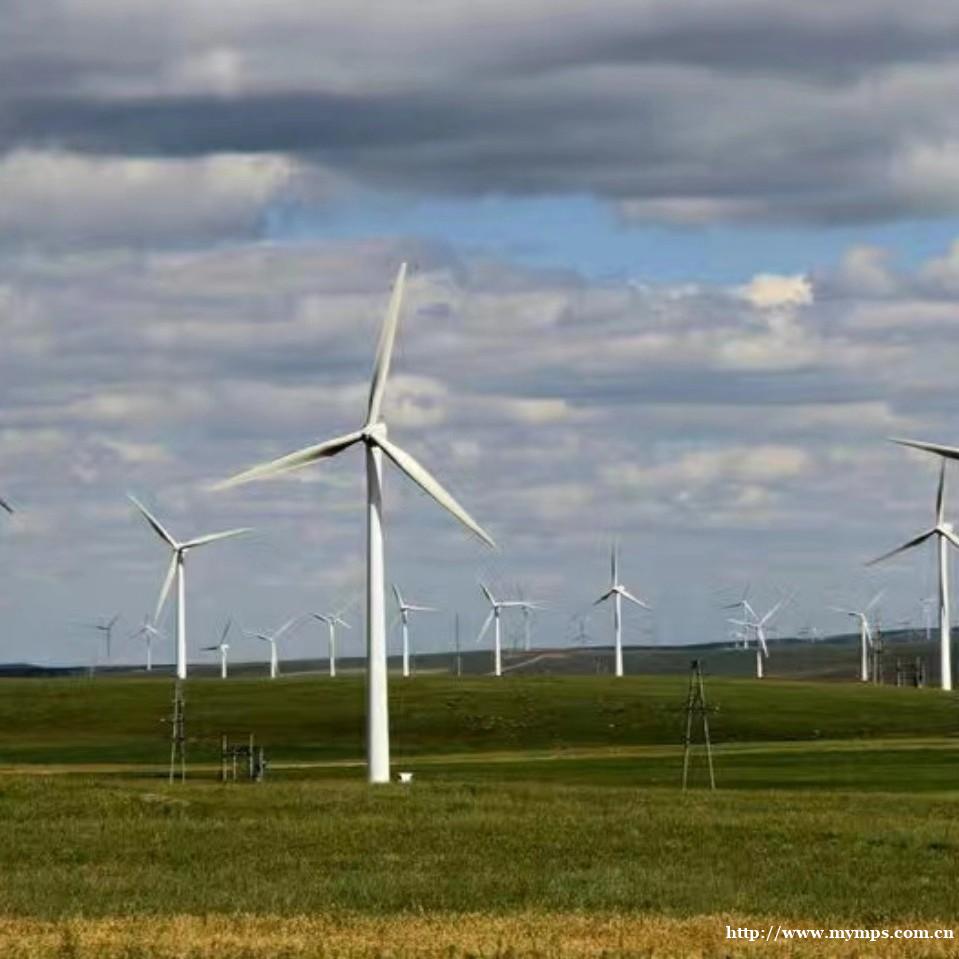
177, 569
222, 647
148, 631
865, 632
493, 616
373, 436
332, 620
405, 610
617, 592
945, 535
272, 638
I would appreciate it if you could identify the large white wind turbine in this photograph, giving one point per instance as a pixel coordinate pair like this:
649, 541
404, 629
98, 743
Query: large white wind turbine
272, 638
945, 535
177, 569
373, 436
222, 647
332, 620
405, 610
493, 616
148, 631
617, 592
865, 631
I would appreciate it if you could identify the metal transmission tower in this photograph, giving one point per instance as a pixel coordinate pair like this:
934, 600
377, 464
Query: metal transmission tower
696, 707
178, 735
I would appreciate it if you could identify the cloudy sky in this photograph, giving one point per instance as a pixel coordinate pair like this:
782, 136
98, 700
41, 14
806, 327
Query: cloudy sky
678, 271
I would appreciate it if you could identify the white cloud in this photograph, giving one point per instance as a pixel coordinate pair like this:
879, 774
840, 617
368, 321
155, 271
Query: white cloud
61, 198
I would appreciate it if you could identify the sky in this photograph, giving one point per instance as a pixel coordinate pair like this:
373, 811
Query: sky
678, 271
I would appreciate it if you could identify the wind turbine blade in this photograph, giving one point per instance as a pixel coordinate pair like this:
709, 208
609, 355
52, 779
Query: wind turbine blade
292, 461
952, 539
167, 583
901, 549
384, 348
613, 566
286, 626
423, 609
941, 494
396, 593
226, 629
604, 597
847, 612
342, 622
5, 505
874, 600
153, 521
948, 452
487, 594
771, 613
213, 537
628, 595
113, 621
420, 475
486, 625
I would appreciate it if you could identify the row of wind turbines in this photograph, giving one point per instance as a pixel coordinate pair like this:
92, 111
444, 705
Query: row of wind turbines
373, 436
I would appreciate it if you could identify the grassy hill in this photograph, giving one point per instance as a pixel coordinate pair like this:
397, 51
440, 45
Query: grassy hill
122, 720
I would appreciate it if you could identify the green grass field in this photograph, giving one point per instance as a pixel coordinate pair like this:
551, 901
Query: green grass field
544, 818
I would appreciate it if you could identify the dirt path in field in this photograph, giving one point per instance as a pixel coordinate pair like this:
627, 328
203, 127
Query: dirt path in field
525, 936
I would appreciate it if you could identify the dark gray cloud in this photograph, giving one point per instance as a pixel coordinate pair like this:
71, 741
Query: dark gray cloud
680, 112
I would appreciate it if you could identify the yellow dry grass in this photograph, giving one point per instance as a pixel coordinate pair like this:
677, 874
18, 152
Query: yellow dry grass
474, 936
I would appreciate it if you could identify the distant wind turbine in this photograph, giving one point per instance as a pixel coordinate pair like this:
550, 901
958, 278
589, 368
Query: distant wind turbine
106, 627
496, 608
943, 531
748, 613
617, 592
177, 569
404, 610
148, 631
865, 632
332, 620
758, 624
373, 436
272, 638
222, 647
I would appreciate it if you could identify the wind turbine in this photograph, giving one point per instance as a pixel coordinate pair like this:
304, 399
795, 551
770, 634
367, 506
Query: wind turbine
148, 631
944, 534
106, 627
405, 610
617, 592
332, 620
271, 638
748, 613
222, 647
373, 436
177, 569
493, 616
865, 632
758, 626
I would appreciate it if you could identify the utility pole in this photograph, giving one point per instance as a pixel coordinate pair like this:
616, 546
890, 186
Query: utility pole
456, 639
178, 734
696, 706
